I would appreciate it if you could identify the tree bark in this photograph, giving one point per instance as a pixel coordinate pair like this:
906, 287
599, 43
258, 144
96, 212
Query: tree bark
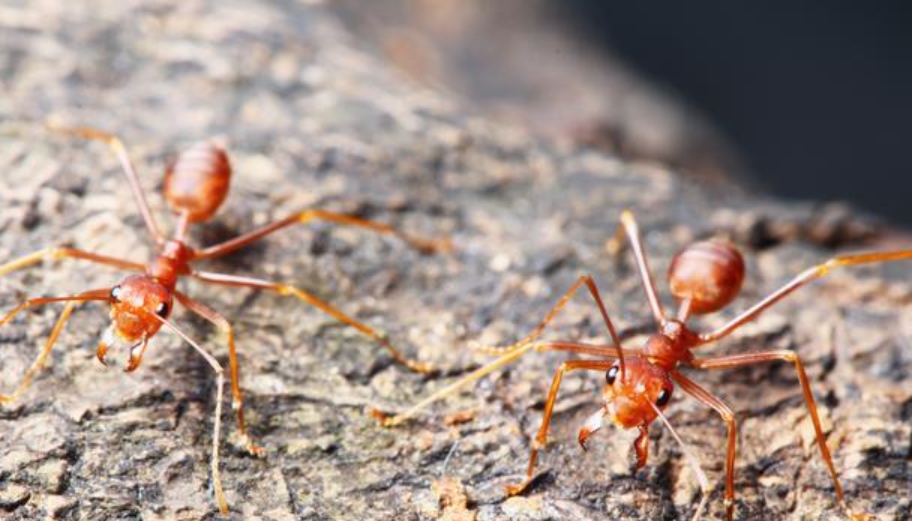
312, 120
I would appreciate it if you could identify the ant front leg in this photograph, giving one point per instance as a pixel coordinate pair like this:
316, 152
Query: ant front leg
733, 361
286, 290
422, 245
542, 437
237, 401
71, 303
728, 416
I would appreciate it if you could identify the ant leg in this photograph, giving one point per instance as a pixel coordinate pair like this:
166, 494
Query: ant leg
624, 334
629, 226
285, 290
802, 279
703, 396
537, 332
71, 303
732, 361
60, 253
217, 423
542, 437
422, 245
570, 347
126, 165
237, 401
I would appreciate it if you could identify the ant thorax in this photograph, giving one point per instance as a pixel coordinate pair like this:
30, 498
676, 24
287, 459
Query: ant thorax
672, 346
171, 263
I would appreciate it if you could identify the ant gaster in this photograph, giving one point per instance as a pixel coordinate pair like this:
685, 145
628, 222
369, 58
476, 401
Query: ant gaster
195, 186
704, 277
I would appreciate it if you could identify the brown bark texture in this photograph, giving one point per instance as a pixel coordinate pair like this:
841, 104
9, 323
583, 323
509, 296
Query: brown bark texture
312, 119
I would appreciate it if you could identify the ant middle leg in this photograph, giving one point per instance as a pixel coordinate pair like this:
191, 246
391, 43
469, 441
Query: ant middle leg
420, 244
288, 290
237, 401
585, 280
799, 281
60, 253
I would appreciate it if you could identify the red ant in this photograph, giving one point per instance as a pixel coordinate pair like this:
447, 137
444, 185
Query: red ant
704, 277
195, 186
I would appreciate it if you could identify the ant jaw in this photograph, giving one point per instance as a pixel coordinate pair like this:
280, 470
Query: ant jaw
642, 447
136, 350
107, 338
136, 359
592, 424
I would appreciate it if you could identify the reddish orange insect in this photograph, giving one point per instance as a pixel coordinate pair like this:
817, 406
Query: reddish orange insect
704, 277
195, 186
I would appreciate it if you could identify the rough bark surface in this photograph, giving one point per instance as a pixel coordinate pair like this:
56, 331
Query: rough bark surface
311, 120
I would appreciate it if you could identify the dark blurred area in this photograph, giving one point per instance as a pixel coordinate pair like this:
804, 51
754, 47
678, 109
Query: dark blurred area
815, 96
809, 100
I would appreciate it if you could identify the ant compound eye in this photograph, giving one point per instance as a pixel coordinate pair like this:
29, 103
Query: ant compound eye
162, 310
115, 294
611, 375
664, 397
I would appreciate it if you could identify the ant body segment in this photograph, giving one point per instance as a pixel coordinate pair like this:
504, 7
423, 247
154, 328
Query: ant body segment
195, 186
704, 277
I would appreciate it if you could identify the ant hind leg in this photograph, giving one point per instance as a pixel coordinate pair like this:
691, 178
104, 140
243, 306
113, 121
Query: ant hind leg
126, 165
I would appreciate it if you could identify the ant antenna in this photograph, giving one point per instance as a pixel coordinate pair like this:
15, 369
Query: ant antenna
691, 460
614, 338
214, 461
621, 360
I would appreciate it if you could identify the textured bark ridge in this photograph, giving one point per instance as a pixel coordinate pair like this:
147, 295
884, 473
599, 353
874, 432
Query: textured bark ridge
311, 120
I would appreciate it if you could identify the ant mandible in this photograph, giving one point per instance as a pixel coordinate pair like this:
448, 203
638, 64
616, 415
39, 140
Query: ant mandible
704, 277
195, 185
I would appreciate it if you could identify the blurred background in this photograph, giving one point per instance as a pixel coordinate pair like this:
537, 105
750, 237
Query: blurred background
805, 101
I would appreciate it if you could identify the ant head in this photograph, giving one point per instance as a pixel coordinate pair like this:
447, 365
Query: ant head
631, 396
137, 303
709, 273
628, 393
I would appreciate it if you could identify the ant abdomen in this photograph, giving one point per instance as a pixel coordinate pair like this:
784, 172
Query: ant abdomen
709, 273
197, 181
